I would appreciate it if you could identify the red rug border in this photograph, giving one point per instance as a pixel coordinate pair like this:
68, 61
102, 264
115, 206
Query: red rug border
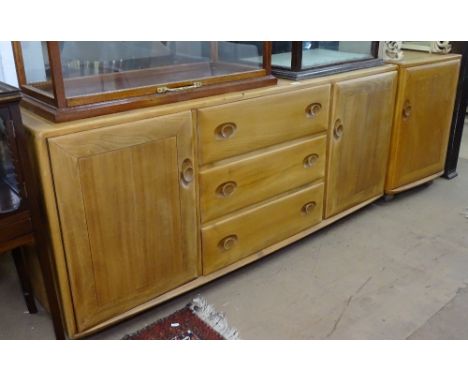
212, 333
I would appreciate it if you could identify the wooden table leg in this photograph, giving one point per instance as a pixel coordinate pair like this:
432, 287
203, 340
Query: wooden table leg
52, 299
25, 281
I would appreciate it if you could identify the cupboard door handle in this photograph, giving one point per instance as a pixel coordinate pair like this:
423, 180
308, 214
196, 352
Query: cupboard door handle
313, 109
338, 130
308, 208
226, 189
407, 110
227, 242
310, 160
186, 173
225, 130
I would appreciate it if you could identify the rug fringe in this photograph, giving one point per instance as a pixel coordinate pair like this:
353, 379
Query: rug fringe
216, 320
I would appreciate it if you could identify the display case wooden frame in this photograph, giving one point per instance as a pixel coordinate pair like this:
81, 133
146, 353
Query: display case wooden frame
15, 202
298, 73
61, 108
21, 220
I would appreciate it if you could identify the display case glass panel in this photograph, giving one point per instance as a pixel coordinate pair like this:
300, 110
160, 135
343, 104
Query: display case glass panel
7, 167
10, 170
36, 66
92, 74
98, 67
302, 59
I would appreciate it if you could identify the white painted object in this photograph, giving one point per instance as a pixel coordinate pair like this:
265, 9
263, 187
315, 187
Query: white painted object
391, 50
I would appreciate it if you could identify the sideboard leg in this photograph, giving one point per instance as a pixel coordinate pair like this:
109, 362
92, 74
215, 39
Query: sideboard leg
24, 279
388, 197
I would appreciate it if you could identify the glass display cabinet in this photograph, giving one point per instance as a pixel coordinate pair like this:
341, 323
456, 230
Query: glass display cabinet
70, 80
10, 179
304, 59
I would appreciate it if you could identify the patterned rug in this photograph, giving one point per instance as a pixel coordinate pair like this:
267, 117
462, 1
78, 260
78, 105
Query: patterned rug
197, 321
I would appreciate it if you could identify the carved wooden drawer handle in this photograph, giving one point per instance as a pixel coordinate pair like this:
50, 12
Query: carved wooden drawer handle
226, 189
308, 208
228, 242
310, 160
186, 173
407, 109
338, 130
225, 130
313, 109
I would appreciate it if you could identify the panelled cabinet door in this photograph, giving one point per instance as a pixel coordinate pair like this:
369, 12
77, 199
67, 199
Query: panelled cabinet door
423, 116
359, 140
127, 206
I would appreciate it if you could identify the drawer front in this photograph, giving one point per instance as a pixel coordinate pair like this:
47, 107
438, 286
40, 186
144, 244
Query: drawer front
228, 240
240, 127
237, 184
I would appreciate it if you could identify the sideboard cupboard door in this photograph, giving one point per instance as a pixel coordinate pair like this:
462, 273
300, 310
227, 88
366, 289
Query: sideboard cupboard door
127, 206
359, 140
423, 116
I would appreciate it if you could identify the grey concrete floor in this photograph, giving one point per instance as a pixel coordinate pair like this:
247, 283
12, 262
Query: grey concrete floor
393, 270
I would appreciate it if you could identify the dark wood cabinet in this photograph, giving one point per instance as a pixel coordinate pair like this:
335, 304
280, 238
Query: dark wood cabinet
18, 207
15, 219
459, 111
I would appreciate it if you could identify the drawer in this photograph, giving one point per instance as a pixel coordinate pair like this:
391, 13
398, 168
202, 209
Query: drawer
251, 230
239, 127
239, 183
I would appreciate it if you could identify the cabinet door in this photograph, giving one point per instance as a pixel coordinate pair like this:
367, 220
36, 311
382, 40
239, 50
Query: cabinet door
422, 122
127, 208
359, 140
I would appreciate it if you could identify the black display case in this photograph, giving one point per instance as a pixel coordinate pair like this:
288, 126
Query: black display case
305, 59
